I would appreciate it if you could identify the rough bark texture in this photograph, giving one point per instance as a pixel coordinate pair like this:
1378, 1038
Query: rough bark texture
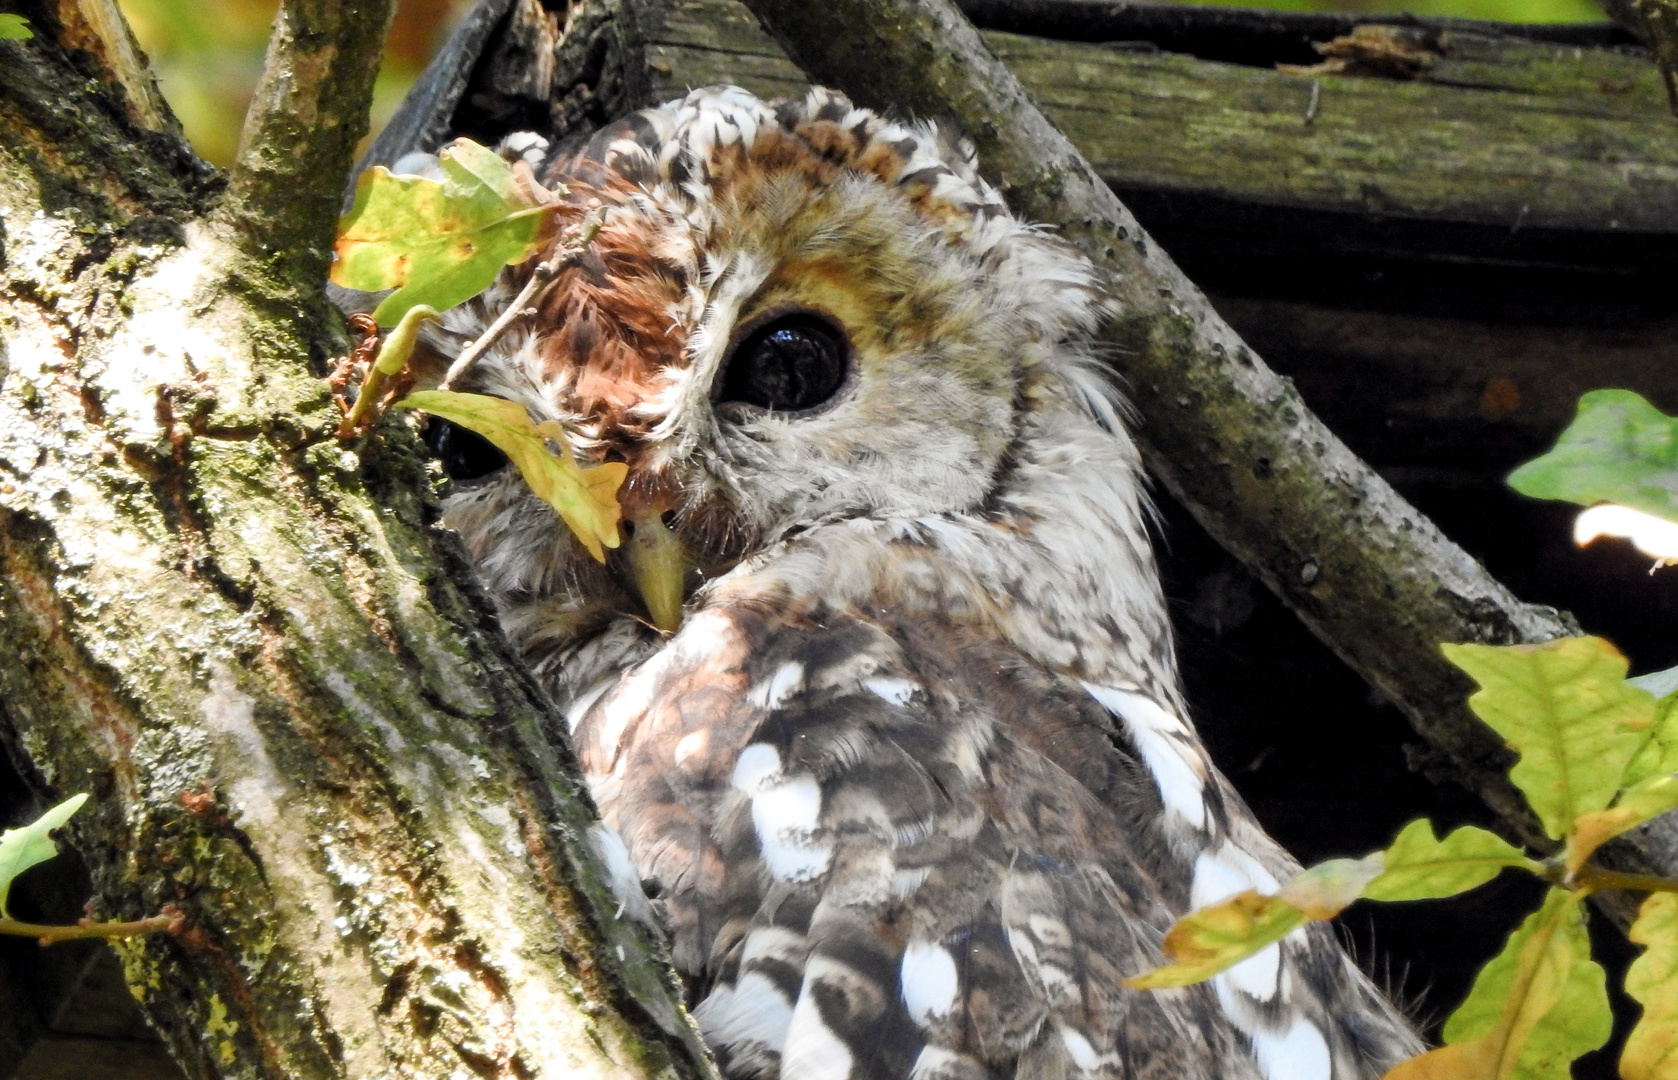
1229, 438
296, 717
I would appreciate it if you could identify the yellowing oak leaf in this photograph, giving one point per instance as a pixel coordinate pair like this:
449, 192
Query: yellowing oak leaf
439, 243
585, 499
26, 845
1473, 1060
1565, 707
1215, 938
1205, 942
1651, 1052
1420, 867
1535, 1007
1643, 802
1657, 755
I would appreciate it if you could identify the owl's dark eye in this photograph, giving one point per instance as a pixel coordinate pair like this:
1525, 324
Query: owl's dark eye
788, 364
465, 455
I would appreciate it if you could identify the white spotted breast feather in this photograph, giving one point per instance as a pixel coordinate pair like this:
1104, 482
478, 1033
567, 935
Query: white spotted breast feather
913, 776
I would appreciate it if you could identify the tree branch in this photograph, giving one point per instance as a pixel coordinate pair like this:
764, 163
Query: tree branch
1660, 21
1369, 574
98, 27
1656, 23
301, 131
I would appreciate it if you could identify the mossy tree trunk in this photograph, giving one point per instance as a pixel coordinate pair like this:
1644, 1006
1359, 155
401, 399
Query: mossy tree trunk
247, 641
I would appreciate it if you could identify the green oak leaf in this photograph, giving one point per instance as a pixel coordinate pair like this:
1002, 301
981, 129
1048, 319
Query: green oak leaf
1565, 708
1619, 449
1420, 867
1535, 1007
1657, 754
1211, 939
15, 27
439, 243
27, 845
585, 498
1651, 1052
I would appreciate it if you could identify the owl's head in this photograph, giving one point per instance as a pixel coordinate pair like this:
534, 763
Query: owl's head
796, 312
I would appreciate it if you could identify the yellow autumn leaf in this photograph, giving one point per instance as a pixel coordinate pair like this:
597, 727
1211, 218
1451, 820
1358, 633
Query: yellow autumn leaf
1658, 753
27, 845
1651, 1052
1644, 802
1205, 942
1215, 938
1472, 1060
440, 243
586, 499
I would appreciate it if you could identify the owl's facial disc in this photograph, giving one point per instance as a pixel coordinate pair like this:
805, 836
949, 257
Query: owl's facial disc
788, 319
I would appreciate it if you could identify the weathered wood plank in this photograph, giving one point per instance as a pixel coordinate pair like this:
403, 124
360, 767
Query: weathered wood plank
1500, 131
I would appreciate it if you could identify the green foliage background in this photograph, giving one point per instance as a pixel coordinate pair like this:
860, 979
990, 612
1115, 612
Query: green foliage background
208, 56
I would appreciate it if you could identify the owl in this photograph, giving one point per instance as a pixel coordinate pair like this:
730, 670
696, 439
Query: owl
878, 695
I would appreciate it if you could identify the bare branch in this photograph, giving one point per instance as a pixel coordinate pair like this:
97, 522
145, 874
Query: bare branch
1656, 23
300, 135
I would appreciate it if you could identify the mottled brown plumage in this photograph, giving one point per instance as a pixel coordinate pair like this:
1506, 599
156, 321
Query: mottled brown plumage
914, 776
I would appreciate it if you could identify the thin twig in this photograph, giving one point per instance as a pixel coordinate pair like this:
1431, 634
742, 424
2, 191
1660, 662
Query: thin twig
540, 279
87, 928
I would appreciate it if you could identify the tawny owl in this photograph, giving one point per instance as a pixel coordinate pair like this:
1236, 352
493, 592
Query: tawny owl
913, 778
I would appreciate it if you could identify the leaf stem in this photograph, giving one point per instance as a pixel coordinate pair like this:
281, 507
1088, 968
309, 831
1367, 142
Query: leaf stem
1592, 878
540, 279
50, 935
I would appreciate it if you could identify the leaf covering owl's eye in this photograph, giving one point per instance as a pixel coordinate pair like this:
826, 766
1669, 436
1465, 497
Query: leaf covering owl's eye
464, 454
788, 364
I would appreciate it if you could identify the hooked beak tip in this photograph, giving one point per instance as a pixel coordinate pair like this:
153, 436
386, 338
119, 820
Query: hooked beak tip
658, 565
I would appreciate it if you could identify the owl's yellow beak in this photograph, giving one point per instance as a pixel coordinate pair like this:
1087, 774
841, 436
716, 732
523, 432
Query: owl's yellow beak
658, 565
